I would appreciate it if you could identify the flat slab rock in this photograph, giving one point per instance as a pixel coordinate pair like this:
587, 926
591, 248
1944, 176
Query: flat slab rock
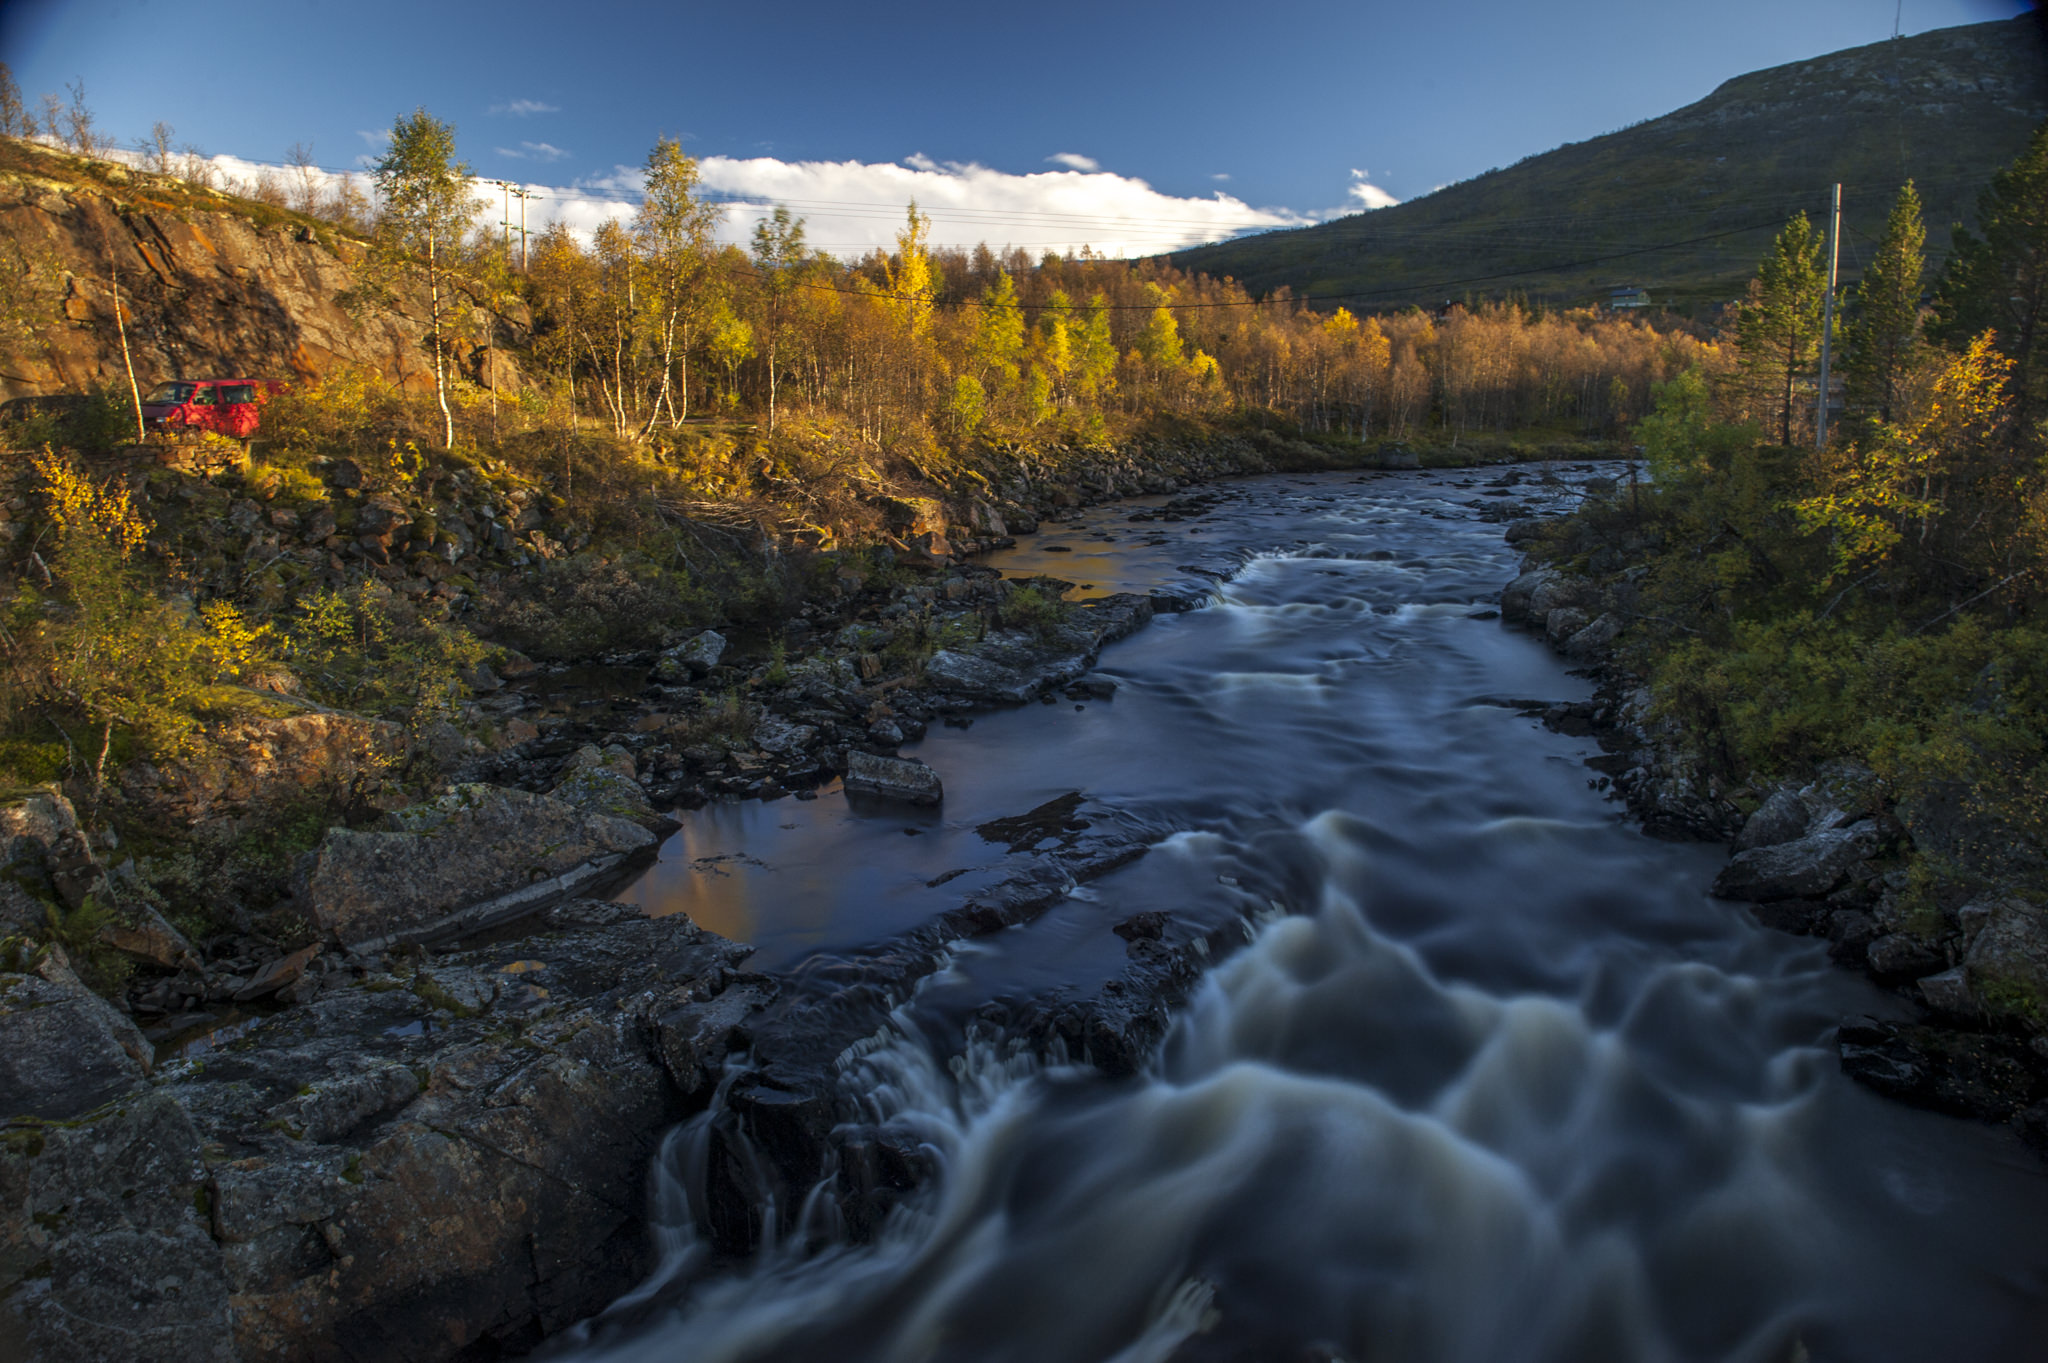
479, 855
448, 1159
893, 778
1010, 667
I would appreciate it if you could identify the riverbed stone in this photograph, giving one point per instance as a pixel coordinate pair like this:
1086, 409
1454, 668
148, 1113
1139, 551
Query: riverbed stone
64, 1050
1780, 819
477, 855
1595, 639
378, 1174
605, 782
1806, 867
1517, 597
1903, 956
1949, 992
2007, 960
893, 778
691, 659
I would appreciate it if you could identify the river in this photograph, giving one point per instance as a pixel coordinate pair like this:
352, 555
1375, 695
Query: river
1492, 1078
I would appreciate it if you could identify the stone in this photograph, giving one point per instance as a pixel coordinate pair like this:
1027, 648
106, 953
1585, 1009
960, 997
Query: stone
784, 738
885, 732
1595, 639
64, 1050
1515, 598
691, 659
2007, 960
1949, 992
605, 782
1092, 686
371, 1176
283, 971
1562, 622
1903, 956
1804, 868
892, 778
105, 1249
479, 855
1780, 819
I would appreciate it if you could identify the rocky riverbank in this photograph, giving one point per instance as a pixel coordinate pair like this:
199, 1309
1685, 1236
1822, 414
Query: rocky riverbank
430, 1039
1826, 856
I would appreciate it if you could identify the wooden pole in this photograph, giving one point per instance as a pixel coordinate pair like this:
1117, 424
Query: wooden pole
1827, 326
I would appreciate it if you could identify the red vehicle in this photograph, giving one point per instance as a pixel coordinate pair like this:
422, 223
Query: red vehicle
230, 407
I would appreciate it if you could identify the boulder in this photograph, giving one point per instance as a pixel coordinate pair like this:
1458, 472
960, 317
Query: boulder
1804, 868
1903, 956
64, 1050
1949, 992
605, 782
691, 659
1562, 622
477, 856
892, 778
1515, 598
1595, 639
1780, 819
2007, 960
783, 737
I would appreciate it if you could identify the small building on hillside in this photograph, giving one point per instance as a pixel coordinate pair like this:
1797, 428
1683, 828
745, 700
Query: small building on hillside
1628, 296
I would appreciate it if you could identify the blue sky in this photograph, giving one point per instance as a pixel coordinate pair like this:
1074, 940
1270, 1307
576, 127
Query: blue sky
1287, 106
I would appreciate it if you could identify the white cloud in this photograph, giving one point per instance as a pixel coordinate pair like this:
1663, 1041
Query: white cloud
1369, 195
1372, 196
1073, 160
523, 108
1220, 175
533, 151
852, 206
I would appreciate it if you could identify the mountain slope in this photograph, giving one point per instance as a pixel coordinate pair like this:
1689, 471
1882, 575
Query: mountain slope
1685, 204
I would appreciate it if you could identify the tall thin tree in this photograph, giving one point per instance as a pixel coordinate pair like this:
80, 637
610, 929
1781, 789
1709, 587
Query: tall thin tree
1778, 332
778, 257
674, 227
1883, 330
427, 206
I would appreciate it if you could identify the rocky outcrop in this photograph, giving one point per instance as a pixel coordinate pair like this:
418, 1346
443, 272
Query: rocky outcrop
446, 1158
1803, 868
477, 856
691, 659
210, 286
893, 778
257, 763
605, 783
49, 864
1011, 667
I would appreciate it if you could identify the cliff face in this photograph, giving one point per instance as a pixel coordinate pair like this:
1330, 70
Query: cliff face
210, 285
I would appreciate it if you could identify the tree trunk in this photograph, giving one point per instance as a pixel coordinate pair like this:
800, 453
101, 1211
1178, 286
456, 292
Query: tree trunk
434, 322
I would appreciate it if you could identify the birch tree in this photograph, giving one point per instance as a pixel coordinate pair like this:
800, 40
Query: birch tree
427, 207
674, 227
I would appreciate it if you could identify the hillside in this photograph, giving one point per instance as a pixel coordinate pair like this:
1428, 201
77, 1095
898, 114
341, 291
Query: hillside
210, 283
1684, 204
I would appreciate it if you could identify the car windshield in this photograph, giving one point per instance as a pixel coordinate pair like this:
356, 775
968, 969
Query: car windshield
241, 392
168, 394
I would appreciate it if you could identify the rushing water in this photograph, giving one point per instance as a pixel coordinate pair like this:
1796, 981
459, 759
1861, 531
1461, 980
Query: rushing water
1493, 1079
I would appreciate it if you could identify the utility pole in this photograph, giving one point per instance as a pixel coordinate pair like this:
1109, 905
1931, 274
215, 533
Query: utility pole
505, 238
1827, 326
523, 195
